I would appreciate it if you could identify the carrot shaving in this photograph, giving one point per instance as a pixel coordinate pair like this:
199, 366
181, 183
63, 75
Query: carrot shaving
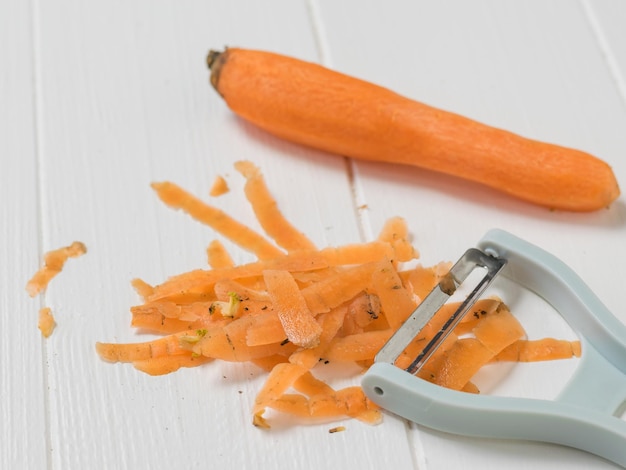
177, 198
217, 256
142, 288
54, 261
46, 322
219, 187
297, 320
545, 349
288, 312
267, 212
396, 233
53, 264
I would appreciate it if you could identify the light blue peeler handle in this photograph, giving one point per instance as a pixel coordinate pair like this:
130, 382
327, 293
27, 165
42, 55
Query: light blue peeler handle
586, 414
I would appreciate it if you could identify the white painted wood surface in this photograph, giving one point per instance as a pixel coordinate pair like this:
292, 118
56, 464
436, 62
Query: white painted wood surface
98, 99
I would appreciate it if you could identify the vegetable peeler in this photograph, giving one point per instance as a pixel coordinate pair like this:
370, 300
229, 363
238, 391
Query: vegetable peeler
587, 412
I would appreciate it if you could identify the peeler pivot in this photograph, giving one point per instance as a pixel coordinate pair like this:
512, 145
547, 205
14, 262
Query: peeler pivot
585, 415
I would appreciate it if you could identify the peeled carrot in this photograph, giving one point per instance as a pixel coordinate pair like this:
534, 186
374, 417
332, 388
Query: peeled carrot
306, 103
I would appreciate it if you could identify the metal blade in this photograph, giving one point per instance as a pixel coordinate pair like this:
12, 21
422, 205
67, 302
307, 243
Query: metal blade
471, 259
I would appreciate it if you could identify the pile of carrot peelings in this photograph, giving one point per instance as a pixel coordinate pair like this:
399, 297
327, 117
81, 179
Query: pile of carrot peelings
297, 306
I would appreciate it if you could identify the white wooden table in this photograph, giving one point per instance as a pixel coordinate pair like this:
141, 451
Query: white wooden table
98, 99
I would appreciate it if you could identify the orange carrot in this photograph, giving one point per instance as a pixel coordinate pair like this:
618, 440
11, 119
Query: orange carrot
53, 264
266, 210
396, 233
168, 364
290, 312
298, 322
229, 344
458, 364
339, 287
144, 289
265, 328
46, 321
279, 381
395, 299
315, 106
545, 349
363, 310
245, 237
421, 280
499, 330
217, 256
331, 323
359, 346
350, 401
195, 284
54, 261
219, 187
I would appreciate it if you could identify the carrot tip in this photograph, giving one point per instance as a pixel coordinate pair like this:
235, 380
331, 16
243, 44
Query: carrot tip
215, 60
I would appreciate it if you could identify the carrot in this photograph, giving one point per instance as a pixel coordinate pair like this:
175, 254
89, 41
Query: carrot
498, 330
217, 256
46, 321
266, 210
315, 106
290, 312
167, 346
144, 289
421, 280
178, 198
297, 320
219, 187
350, 401
194, 284
228, 343
358, 346
265, 328
457, 364
169, 364
338, 287
545, 349
279, 381
330, 323
363, 310
54, 261
395, 299
396, 233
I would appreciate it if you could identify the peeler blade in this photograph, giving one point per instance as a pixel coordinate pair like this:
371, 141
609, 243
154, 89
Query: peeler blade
472, 259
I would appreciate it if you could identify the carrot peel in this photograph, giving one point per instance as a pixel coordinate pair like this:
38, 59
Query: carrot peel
299, 310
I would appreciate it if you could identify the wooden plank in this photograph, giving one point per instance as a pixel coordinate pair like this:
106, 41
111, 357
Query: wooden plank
126, 101
606, 19
23, 413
